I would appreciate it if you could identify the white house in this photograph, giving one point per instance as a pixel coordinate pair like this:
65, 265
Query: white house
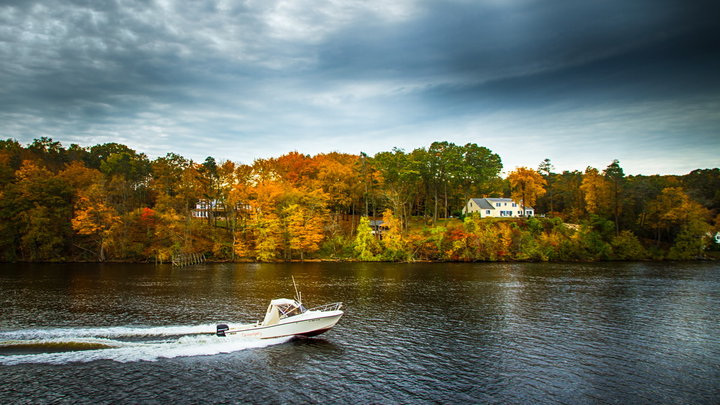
496, 208
214, 209
207, 208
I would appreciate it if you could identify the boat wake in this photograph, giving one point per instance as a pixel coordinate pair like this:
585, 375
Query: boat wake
121, 344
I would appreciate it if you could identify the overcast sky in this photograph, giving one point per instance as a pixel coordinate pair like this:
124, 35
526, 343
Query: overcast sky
579, 82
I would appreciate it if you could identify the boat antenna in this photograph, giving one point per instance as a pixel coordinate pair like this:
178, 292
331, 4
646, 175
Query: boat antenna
297, 294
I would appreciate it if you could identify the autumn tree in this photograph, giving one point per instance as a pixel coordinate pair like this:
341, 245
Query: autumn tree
336, 176
305, 229
366, 245
42, 208
294, 168
527, 185
569, 199
674, 212
393, 240
596, 190
237, 196
94, 218
80, 177
615, 175
169, 234
269, 236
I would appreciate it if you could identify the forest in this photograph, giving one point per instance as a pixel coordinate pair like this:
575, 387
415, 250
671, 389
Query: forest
111, 203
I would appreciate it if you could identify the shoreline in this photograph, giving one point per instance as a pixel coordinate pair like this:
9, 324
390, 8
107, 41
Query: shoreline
700, 259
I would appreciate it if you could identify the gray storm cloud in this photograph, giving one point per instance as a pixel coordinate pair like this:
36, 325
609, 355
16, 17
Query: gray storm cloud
580, 82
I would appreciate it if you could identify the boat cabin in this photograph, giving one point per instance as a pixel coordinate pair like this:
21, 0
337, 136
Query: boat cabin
282, 308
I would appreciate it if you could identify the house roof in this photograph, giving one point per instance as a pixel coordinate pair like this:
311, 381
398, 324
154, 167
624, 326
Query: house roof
483, 203
489, 203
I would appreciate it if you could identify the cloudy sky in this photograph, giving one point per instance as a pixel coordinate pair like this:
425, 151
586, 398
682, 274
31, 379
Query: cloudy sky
580, 82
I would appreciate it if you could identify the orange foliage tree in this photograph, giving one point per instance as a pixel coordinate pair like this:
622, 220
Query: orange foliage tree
94, 218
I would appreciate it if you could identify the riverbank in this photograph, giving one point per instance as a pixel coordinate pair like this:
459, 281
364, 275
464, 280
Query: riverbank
711, 256
471, 239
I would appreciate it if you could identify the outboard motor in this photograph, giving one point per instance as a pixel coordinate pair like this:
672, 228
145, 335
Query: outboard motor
221, 329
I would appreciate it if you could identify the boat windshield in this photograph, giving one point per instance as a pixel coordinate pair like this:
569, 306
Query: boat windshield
293, 309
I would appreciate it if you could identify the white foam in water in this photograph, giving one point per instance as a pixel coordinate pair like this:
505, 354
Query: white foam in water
111, 332
188, 344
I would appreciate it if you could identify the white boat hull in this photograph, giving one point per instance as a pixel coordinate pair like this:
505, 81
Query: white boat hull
311, 323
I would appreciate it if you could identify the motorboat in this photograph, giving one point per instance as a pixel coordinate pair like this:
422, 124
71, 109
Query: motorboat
288, 317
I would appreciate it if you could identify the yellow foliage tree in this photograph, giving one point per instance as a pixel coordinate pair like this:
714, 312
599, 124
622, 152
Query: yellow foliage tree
597, 191
674, 208
305, 229
366, 244
268, 234
39, 203
337, 177
169, 234
527, 185
79, 177
393, 239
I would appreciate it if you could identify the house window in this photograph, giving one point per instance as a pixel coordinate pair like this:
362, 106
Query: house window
497, 204
514, 205
506, 204
487, 212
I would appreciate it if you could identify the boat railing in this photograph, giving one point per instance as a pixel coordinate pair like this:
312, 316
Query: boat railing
328, 307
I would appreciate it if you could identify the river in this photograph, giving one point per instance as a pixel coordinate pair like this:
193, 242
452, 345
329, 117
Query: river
412, 333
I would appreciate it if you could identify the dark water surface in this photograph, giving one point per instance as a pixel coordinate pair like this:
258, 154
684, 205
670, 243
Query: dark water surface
448, 333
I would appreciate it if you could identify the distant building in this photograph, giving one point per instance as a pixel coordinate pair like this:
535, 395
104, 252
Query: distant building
208, 209
497, 208
378, 227
215, 209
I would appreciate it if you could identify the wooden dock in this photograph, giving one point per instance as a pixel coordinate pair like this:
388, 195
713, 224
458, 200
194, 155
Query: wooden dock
188, 259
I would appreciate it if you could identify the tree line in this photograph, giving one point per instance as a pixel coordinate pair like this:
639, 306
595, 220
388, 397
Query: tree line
110, 202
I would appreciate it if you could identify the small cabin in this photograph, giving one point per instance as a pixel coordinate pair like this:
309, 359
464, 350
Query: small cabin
378, 227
